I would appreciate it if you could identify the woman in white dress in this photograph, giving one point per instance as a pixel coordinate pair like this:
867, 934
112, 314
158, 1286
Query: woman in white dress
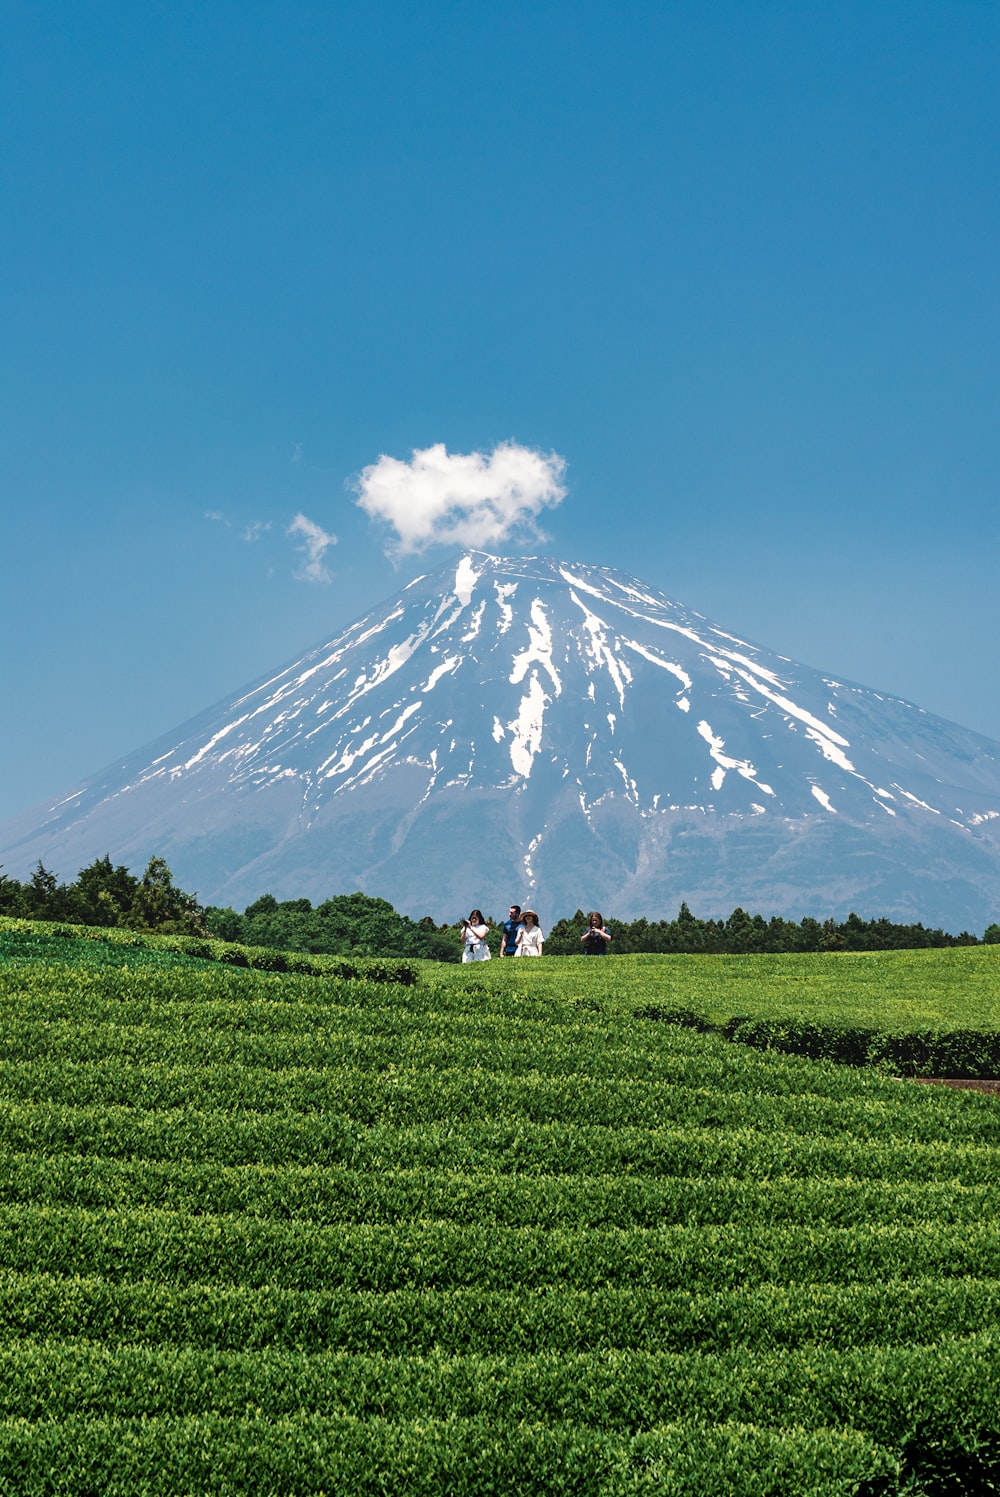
474, 933
530, 937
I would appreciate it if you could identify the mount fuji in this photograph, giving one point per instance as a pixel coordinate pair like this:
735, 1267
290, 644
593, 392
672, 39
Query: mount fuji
556, 734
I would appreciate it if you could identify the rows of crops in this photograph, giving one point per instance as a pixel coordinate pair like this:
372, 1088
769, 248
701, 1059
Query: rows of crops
270, 1233
889, 990
915, 1013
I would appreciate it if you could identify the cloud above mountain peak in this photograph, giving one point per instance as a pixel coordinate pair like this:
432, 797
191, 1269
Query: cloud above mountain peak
468, 499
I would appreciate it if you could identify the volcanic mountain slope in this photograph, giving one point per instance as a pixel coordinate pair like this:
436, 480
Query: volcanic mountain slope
532, 730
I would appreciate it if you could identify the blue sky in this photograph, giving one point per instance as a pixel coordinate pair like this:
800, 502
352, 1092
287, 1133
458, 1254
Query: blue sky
735, 263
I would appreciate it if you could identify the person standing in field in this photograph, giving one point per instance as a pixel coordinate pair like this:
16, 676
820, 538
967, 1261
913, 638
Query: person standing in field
474, 933
530, 938
595, 938
510, 928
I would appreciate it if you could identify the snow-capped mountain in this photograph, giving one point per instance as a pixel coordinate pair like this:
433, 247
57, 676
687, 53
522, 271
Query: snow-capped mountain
560, 734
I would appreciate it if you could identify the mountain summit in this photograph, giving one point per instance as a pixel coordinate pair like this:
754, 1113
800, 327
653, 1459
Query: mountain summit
555, 733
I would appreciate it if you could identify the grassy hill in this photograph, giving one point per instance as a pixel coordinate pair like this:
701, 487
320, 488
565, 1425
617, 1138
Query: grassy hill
270, 1232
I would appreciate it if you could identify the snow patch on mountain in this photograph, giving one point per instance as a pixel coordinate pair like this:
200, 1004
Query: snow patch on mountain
725, 762
466, 577
526, 728
446, 668
538, 649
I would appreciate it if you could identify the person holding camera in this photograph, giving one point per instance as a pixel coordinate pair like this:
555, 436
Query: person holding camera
595, 938
474, 933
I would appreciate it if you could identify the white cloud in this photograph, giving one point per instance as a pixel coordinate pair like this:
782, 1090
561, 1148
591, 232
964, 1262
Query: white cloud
256, 529
314, 544
466, 499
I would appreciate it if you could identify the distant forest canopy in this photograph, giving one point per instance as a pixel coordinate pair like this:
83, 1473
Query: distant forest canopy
743, 933
106, 895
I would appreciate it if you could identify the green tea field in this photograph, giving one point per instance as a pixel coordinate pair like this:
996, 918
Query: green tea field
890, 990
502, 1230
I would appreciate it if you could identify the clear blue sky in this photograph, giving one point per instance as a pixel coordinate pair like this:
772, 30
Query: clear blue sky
736, 263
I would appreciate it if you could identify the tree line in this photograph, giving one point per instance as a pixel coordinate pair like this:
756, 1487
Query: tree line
346, 924
364, 925
741, 933
107, 895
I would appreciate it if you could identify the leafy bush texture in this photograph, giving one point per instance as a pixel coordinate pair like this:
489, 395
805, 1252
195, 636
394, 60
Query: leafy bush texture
339, 1230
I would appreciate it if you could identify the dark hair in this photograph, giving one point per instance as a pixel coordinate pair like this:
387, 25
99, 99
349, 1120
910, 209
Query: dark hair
516, 908
595, 918
476, 915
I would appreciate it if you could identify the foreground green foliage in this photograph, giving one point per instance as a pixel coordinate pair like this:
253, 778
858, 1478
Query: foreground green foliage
269, 1232
926, 1013
24, 939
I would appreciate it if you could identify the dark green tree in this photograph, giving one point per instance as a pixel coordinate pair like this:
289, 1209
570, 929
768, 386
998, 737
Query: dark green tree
810, 935
11, 895
265, 905
103, 894
159, 905
224, 924
563, 938
44, 896
831, 937
741, 934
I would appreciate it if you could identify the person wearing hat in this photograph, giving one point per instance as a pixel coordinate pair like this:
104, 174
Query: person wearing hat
530, 937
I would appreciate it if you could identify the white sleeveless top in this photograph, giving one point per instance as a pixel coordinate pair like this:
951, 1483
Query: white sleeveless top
529, 941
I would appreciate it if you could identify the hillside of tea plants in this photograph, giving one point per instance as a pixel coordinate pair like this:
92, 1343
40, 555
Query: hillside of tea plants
923, 1013
503, 1229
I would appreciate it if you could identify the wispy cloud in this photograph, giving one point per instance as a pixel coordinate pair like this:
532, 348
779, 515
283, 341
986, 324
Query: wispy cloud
314, 543
468, 499
250, 532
